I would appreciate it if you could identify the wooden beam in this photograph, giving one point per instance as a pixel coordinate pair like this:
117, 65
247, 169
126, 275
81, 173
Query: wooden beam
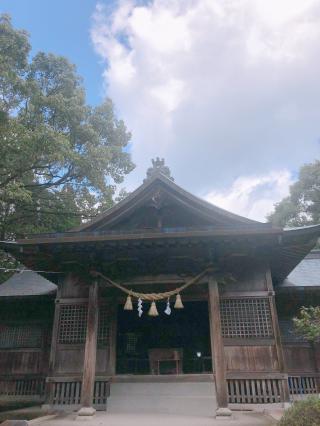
90, 352
217, 348
153, 234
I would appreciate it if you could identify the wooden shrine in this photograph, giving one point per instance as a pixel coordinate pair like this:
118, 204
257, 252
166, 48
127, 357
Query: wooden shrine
157, 239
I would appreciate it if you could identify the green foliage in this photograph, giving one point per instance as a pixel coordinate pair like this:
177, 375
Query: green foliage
308, 323
302, 413
14, 51
6, 262
123, 193
302, 206
60, 159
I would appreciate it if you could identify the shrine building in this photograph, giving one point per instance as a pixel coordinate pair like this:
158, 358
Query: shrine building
163, 303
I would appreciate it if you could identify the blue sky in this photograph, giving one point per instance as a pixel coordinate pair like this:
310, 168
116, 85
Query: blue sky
61, 27
227, 92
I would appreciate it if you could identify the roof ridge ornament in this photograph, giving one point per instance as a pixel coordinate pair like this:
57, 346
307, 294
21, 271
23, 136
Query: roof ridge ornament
158, 167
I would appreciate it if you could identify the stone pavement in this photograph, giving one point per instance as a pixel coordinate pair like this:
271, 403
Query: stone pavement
105, 419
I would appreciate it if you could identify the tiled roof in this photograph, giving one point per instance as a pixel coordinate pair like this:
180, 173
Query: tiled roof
26, 284
306, 273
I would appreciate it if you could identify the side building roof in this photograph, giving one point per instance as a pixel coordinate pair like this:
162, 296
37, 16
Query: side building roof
27, 283
306, 273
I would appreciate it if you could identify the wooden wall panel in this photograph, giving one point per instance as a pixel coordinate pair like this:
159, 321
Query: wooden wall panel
73, 287
44, 366
299, 358
69, 360
20, 362
251, 358
317, 355
249, 273
102, 360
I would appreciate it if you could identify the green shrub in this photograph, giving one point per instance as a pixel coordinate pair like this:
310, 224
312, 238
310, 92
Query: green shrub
303, 413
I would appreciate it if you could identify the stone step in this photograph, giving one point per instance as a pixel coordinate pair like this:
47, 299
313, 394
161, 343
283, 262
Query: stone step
163, 398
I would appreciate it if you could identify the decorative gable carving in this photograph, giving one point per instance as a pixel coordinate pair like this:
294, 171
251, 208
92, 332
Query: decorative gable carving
158, 167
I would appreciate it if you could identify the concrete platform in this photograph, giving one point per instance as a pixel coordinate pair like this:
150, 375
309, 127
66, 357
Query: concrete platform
101, 419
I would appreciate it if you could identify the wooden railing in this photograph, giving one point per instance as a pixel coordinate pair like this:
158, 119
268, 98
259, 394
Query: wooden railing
255, 391
68, 393
302, 385
269, 390
241, 390
22, 387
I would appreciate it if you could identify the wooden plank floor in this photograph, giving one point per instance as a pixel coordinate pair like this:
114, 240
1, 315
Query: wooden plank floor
161, 378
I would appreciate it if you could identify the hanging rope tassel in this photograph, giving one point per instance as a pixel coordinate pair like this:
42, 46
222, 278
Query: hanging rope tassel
178, 304
128, 306
153, 311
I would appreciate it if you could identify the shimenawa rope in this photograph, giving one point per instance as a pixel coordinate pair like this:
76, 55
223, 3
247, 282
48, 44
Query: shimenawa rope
152, 296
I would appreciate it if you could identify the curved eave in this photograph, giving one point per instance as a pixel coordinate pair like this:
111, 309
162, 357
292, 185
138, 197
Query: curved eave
29, 297
286, 247
97, 236
298, 289
291, 233
295, 245
37, 251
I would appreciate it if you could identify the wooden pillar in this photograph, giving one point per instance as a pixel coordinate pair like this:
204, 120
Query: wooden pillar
316, 354
48, 397
217, 349
89, 364
277, 337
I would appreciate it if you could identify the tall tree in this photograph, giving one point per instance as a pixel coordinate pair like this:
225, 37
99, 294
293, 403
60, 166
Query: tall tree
302, 206
60, 159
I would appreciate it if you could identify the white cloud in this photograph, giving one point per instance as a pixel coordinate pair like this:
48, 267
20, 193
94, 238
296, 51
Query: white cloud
253, 196
223, 89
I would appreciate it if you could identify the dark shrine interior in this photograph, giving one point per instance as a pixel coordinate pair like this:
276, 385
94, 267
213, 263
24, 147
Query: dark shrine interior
186, 330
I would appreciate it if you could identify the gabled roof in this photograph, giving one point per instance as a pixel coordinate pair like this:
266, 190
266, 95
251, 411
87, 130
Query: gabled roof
209, 224
26, 283
189, 201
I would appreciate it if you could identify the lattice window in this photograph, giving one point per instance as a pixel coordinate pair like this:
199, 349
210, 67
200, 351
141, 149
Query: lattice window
20, 336
104, 325
131, 343
72, 324
246, 318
